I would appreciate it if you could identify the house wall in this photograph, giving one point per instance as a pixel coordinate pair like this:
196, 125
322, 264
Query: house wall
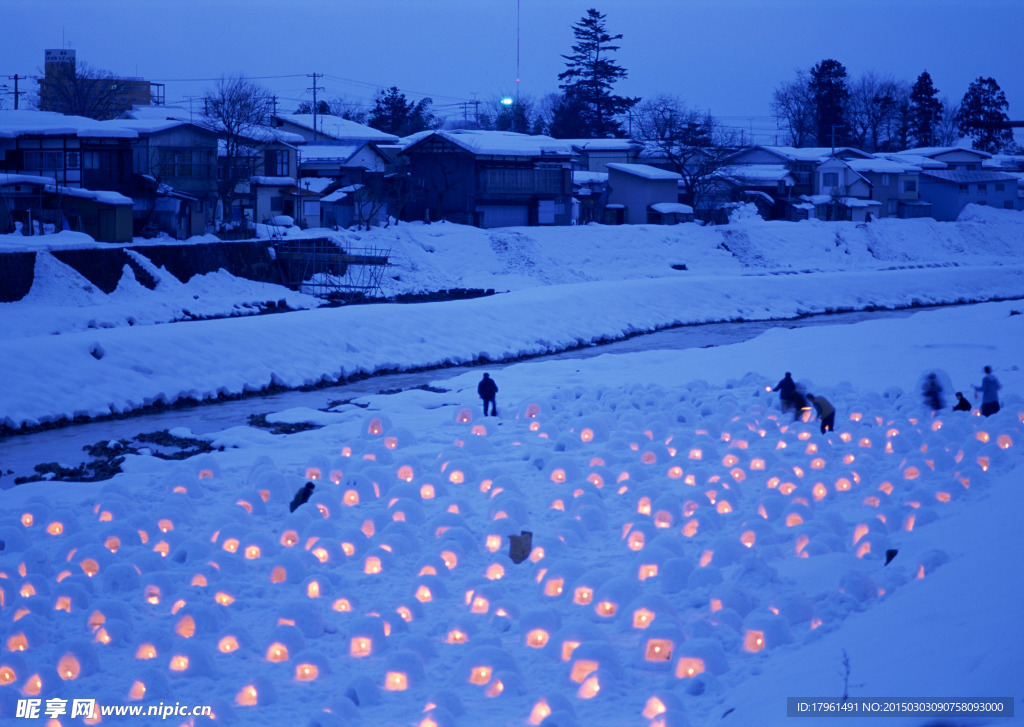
949, 198
960, 159
180, 157
443, 187
54, 157
638, 193
590, 160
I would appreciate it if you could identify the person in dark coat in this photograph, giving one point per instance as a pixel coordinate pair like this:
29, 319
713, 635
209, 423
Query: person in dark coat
488, 390
787, 392
961, 403
989, 389
825, 410
302, 496
932, 391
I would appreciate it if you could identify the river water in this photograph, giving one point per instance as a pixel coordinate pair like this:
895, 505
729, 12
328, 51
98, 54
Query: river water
20, 453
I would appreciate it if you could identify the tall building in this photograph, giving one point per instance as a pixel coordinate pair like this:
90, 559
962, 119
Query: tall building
61, 89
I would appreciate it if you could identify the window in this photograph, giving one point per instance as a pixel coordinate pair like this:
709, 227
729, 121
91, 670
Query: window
277, 163
830, 179
962, 187
177, 163
1000, 187
894, 206
982, 188
886, 181
43, 161
909, 185
1007, 205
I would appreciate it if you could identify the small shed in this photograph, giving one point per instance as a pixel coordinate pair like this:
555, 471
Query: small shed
669, 213
41, 206
637, 187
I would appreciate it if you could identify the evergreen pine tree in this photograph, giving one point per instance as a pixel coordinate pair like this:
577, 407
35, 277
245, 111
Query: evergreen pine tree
394, 114
925, 111
829, 90
587, 83
983, 116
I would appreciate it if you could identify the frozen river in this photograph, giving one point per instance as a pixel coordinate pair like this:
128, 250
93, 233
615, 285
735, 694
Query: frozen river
20, 453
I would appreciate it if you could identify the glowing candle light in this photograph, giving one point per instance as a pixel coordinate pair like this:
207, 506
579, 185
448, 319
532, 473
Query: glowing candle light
688, 667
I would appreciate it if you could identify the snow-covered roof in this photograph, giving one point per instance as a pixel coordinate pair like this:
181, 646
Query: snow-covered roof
159, 113
601, 144
678, 208
338, 128
933, 151
589, 177
496, 143
274, 181
328, 152
968, 176
335, 196
49, 123
646, 171
881, 166
756, 173
315, 184
812, 153
151, 125
845, 201
102, 196
918, 160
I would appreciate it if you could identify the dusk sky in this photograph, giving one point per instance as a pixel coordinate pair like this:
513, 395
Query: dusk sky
726, 56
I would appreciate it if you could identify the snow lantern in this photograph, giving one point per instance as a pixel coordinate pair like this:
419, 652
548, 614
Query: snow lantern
483, 662
699, 655
366, 637
555, 706
612, 596
765, 630
591, 656
648, 609
403, 670
259, 691
538, 626
657, 646
188, 658
461, 631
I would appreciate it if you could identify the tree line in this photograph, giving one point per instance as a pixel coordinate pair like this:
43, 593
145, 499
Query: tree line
877, 113
821, 106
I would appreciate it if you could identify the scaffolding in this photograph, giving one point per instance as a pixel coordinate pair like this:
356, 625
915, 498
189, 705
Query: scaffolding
321, 267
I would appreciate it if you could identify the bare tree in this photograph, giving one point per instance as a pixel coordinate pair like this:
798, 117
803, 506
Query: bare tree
78, 89
946, 130
237, 110
874, 111
348, 109
688, 141
794, 107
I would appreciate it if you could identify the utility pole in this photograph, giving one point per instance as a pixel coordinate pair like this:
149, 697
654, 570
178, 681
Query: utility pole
314, 76
834, 127
16, 92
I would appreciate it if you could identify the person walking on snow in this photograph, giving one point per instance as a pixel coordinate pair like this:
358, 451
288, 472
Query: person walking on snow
787, 392
825, 410
989, 389
487, 390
